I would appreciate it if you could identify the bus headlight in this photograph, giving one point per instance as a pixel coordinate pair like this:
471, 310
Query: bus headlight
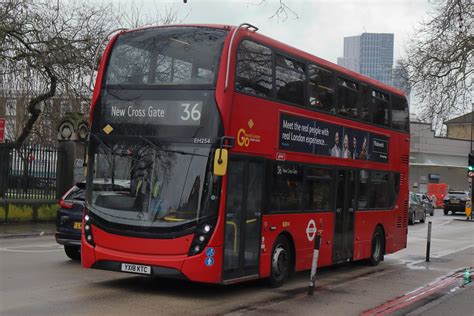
88, 230
201, 238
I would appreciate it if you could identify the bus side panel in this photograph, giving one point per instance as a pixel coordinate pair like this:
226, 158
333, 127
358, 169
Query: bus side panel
364, 227
254, 125
296, 226
401, 220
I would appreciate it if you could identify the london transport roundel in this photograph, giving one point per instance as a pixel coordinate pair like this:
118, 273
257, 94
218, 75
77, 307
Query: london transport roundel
311, 230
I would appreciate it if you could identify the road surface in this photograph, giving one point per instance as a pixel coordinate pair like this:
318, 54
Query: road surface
36, 278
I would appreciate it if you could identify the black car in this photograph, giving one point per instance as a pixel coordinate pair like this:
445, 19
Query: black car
455, 201
69, 220
427, 203
69, 216
416, 211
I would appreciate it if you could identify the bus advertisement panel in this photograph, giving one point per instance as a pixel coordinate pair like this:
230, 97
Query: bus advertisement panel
328, 139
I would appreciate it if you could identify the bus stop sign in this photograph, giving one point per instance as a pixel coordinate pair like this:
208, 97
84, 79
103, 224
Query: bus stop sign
2, 130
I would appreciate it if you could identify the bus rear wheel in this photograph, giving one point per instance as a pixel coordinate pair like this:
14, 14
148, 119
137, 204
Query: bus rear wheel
378, 246
280, 261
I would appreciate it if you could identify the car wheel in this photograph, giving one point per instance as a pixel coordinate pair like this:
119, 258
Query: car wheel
378, 245
423, 218
411, 220
280, 261
73, 252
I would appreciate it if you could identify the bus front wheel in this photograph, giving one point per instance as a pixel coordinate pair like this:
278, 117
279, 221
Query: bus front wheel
378, 246
280, 261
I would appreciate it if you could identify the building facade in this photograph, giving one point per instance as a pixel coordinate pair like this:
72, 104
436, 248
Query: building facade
461, 127
437, 159
370, 54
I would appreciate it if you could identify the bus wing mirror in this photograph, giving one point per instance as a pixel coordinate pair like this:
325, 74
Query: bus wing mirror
220, 161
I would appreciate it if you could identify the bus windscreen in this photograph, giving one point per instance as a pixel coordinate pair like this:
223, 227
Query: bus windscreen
167, 184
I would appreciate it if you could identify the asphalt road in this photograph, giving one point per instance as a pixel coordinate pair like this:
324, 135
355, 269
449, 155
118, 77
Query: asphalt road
36, 278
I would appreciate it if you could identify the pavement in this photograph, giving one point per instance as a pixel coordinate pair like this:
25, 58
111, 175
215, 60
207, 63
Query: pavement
445, 305
395, 291
23, 230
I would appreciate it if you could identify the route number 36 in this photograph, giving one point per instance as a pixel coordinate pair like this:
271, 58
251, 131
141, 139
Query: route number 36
194, 113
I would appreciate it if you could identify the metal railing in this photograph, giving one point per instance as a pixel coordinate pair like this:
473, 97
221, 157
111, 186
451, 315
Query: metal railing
28, 172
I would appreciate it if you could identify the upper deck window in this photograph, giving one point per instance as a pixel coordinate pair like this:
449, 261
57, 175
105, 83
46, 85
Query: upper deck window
166, 56
380, 108
321, 89
400, 113
290, 80
348, 98
254, 69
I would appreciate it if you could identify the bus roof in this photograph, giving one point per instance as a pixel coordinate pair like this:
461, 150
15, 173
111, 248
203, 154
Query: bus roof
295, 52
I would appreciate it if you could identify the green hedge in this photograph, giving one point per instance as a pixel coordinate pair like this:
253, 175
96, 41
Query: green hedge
3, 214
24, 212
47, 212
19, 213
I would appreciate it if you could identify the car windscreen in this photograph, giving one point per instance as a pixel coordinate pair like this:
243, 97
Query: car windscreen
457, 194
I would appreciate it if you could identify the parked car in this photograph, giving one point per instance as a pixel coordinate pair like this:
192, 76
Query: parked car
455, 201
69, 220
416, 211
69, 216
427, 203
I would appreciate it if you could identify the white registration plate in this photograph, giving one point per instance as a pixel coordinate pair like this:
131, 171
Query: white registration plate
136, 268
454, 201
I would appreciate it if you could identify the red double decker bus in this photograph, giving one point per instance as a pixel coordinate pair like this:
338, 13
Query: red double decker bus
233, 151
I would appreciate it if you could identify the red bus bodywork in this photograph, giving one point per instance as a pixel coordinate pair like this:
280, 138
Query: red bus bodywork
237, 110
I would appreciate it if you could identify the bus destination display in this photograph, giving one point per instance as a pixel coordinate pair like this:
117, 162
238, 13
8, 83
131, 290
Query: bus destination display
155, 112
322, 138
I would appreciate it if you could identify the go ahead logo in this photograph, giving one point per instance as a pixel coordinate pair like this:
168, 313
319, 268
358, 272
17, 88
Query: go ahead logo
244, 138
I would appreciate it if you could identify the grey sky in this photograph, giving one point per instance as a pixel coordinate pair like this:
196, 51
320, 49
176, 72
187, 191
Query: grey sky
321, 24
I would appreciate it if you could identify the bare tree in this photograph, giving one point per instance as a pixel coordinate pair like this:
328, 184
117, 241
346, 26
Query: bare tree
282, 11
134, 14
440, 61
47, 50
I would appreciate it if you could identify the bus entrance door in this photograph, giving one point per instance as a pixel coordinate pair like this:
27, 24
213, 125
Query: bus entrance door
343, 245
242, 229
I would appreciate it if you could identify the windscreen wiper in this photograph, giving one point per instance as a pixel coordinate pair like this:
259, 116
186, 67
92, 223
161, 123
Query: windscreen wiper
181, 152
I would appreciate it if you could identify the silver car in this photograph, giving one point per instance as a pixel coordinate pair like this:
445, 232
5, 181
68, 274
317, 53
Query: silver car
427, 203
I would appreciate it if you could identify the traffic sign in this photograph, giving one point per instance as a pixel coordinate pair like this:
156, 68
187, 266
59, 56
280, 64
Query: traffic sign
3, 125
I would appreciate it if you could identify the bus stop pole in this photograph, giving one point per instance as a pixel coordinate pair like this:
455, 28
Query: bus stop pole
428, 242
314, 265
